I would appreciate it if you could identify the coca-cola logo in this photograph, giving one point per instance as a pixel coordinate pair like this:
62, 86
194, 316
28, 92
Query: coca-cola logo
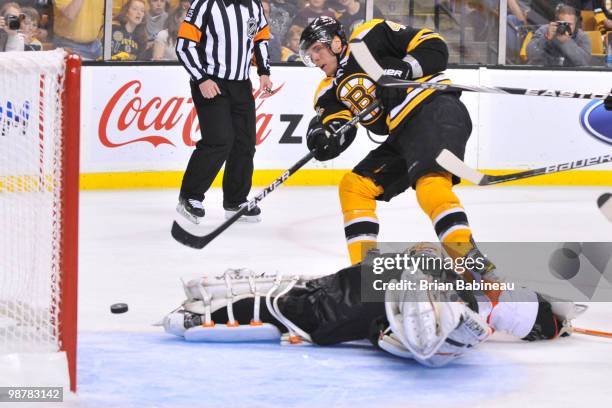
129, 118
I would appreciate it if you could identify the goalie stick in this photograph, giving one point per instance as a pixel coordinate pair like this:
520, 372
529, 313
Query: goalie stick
200, 241
590, 332
604, 202
372, 68
455, 165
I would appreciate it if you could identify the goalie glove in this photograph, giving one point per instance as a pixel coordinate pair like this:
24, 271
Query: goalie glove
324, 141
608, 103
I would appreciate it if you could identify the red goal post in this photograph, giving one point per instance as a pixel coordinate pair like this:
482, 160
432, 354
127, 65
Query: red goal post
39, 202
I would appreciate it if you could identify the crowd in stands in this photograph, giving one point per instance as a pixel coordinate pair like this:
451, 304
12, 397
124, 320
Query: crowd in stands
146, 30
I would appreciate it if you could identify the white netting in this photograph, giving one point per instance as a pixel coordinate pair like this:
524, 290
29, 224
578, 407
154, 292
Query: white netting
30, 186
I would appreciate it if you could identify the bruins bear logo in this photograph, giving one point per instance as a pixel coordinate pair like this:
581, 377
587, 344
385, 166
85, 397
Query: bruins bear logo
357, 92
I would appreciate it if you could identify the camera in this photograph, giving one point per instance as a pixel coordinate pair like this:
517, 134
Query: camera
13, 22
563, 27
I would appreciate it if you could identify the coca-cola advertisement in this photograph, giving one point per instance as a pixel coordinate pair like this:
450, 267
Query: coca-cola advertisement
145, 120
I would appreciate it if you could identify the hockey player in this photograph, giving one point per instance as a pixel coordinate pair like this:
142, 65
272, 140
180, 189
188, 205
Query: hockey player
419, 122
432, 326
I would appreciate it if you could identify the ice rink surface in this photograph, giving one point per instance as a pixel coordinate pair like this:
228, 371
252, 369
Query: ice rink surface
127, 255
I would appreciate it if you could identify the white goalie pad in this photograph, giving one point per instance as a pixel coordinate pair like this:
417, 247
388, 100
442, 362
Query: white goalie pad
205, 295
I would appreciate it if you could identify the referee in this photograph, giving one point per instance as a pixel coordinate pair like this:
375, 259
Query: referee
216, 44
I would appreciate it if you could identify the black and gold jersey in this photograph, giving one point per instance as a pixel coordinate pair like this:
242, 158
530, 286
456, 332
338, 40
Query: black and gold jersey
351, 90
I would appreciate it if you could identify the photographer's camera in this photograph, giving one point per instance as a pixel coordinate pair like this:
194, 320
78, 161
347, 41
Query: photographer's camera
13, 22
563, 27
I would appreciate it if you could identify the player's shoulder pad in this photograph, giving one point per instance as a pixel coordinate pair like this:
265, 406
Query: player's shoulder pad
325, 85
362, 30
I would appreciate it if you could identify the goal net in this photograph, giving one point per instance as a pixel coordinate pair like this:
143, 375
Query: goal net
39, 160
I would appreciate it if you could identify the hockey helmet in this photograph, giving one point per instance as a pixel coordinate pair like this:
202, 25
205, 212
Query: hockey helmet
321, 29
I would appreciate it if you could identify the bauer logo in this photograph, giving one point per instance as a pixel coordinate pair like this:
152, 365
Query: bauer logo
597, 121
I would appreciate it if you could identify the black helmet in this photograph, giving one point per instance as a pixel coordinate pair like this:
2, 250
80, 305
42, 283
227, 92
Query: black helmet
322, 29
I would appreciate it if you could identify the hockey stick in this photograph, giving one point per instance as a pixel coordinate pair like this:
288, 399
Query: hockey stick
199, 242
591, 332
604, 202
372, 68
456, 166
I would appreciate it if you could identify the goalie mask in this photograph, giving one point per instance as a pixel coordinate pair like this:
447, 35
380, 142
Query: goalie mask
322, 29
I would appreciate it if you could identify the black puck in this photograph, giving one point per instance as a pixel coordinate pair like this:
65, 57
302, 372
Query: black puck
603, 199
119, 308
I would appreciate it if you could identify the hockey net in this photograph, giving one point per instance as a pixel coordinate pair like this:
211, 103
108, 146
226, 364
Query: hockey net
39, 146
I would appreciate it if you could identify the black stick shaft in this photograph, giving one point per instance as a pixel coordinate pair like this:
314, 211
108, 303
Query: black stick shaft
199, 242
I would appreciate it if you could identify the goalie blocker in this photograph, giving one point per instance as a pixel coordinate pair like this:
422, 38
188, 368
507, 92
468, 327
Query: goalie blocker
240, 305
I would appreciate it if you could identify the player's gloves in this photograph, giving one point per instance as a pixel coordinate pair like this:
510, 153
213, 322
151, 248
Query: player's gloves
608, 103
397, 68
322, 139
390, 97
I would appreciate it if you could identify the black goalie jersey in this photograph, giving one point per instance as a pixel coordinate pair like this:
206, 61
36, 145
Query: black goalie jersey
351, 90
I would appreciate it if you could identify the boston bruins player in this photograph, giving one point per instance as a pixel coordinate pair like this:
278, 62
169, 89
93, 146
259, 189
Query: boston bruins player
419, 122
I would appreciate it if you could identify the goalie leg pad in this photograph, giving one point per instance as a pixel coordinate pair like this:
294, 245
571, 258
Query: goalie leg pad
219, 296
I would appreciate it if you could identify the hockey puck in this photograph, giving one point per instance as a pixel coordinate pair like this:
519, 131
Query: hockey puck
603, 199
119, 308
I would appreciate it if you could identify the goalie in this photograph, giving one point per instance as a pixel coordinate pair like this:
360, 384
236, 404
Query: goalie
433, 327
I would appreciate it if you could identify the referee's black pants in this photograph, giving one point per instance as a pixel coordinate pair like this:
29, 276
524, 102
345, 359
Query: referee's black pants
227, 125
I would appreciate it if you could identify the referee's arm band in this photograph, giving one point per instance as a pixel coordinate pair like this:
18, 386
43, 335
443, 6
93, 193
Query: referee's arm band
263, 34
189, 32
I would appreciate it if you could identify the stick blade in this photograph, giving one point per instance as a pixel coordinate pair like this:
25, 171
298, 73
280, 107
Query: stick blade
604, 202
184, 237
455, 165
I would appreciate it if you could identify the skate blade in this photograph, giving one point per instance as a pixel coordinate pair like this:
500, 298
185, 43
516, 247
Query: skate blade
245, 218
192, 218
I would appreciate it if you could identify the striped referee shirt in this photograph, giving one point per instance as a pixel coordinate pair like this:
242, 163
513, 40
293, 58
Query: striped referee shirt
219, 38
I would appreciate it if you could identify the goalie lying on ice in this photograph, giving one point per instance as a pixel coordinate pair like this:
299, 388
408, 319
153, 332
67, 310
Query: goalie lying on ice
433, 327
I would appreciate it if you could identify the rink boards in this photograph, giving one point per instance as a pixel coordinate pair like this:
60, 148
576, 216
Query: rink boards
139, 126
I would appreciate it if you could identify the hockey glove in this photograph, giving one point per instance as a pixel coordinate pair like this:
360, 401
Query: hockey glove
608, 103
396, 67
323, 140
390, 97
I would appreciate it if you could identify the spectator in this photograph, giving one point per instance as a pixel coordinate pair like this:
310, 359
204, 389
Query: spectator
11, 21
30, 29
78, 26
291, 51
155, 19
44, 8
274, 45
603, 15
560, 42
353, 14
184, 4
281, 16
314, 9
165, 42
129, 38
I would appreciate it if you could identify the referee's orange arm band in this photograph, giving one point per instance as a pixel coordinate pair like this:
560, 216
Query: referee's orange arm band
263, 34
189, 32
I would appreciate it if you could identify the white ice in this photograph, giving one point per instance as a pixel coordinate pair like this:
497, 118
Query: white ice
127, 255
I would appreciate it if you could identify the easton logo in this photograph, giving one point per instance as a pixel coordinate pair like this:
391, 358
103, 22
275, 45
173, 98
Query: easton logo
597, 121
14, 116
